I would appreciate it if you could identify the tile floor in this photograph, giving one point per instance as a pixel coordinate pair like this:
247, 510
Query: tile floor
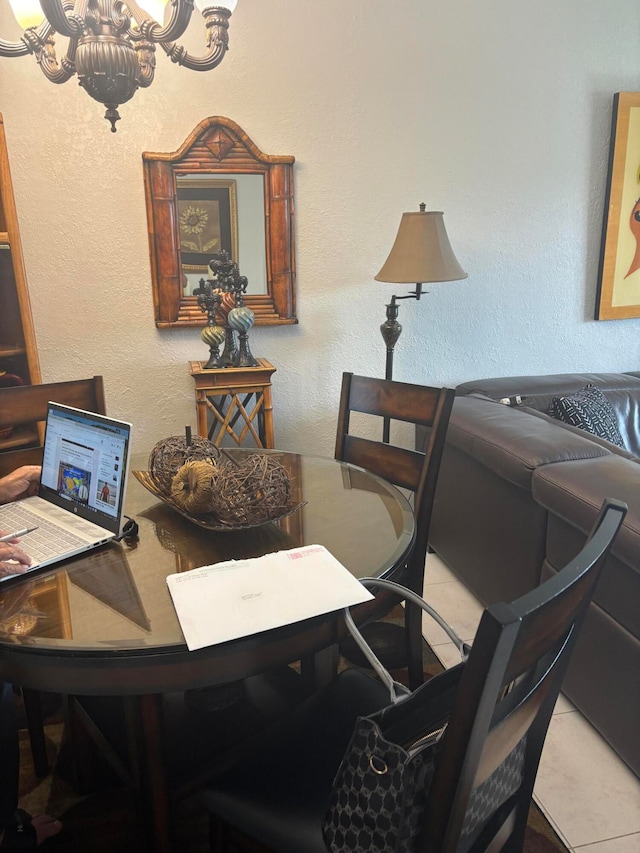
587, 793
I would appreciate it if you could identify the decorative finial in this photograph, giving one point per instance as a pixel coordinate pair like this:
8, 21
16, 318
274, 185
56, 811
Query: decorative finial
112, 115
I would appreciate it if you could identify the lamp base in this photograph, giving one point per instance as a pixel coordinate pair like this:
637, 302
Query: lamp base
390, 331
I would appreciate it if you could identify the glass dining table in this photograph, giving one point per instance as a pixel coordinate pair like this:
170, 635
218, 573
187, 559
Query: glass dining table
103, 623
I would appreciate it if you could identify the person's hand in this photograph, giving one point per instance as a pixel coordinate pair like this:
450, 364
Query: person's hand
10, 551
21, 483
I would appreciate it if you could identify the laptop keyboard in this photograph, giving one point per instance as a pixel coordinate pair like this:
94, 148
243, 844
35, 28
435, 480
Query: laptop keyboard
47, 541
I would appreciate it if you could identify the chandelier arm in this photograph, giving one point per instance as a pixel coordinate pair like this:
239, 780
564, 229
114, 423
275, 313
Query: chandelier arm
120, 16
151, 30
217, 23
70, 25
33, 39
14, 48
146, 64
211, 59
57, 72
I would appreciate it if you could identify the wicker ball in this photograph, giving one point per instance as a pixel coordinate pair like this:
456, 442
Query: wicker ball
170, 454
253, 491
191, 487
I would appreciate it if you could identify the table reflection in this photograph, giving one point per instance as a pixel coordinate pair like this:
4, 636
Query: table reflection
108, 579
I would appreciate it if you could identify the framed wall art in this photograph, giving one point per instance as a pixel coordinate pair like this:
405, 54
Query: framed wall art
618, 294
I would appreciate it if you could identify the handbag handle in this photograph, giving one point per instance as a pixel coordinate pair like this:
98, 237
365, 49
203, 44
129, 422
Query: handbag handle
397, 691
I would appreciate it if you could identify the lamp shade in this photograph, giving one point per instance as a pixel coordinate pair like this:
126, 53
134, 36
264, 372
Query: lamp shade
421, 252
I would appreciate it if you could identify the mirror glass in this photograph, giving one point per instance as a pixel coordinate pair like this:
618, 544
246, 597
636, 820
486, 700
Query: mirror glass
219, 191
222, 212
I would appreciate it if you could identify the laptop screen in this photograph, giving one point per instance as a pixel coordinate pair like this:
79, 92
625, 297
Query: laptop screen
84, 464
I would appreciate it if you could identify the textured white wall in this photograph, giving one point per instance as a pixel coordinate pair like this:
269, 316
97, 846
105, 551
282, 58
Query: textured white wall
496, 112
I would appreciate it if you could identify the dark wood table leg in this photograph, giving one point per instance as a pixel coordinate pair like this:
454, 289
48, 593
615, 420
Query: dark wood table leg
35, 725
319, 669
151, 772
81, 732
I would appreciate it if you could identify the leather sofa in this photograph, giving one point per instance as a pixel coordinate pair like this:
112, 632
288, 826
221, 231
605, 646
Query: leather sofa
518, 492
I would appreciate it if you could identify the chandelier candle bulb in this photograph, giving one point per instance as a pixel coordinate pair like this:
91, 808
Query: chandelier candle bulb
28, 13
155, 8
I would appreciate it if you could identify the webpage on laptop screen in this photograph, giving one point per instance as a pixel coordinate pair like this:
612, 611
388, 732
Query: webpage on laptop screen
84, 461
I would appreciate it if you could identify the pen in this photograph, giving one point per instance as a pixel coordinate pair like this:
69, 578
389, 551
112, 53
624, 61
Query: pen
17, 534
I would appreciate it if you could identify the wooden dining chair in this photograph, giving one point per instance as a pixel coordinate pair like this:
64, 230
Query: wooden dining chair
414, 470
23, 409
485, 720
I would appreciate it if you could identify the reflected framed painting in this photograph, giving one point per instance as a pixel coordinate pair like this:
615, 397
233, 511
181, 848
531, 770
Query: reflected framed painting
618, 294
208, 222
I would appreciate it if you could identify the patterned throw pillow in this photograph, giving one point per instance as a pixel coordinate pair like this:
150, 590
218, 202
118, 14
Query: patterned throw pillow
589, 410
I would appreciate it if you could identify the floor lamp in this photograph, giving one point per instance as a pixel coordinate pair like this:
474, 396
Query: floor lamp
421, 254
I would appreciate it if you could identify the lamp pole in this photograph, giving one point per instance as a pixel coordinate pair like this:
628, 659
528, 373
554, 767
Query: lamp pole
390, 331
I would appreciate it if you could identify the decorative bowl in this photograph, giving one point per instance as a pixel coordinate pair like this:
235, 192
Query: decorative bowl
207, 520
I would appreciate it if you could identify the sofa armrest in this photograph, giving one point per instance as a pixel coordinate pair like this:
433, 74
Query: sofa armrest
575, 494
612, 448
622, 390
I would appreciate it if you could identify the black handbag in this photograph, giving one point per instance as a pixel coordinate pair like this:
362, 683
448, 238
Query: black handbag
381, 787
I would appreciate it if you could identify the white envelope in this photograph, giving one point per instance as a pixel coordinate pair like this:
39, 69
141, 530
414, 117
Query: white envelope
228, 600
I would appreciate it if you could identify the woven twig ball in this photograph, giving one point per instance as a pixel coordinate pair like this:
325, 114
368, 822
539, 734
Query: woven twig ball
253, 491
191, 487
170, 454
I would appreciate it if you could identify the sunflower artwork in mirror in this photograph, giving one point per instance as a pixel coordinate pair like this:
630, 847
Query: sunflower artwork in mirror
218, 193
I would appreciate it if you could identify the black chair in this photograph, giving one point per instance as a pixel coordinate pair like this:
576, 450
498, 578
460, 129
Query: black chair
416, 471
499, 706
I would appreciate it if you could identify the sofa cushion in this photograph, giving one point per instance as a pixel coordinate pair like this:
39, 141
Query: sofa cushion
588, 409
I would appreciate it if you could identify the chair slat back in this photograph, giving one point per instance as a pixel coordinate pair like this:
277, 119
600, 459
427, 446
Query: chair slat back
504, 704
411, 469
398, 400
398, 465
27, 404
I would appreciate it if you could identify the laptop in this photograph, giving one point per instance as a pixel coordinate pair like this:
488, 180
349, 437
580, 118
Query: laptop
80, 501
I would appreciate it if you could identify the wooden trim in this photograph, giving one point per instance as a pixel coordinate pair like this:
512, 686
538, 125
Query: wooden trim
10, 234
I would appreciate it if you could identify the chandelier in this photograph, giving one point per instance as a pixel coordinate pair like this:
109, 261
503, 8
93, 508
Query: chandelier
112, 44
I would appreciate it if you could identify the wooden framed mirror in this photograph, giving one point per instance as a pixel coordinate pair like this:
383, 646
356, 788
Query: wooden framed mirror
219, 191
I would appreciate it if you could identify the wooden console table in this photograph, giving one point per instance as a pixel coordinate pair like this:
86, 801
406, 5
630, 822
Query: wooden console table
238, 400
